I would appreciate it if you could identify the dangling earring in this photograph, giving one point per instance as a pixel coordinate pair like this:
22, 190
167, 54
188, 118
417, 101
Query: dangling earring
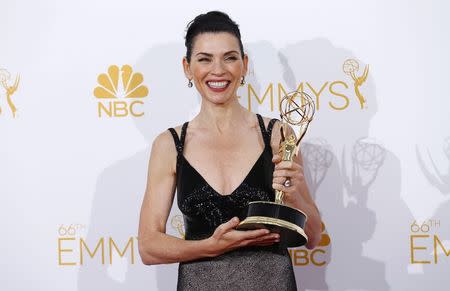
242, 81
190, 83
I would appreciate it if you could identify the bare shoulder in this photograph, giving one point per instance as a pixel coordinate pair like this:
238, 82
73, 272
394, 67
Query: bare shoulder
163, 140
267, 120
164, 149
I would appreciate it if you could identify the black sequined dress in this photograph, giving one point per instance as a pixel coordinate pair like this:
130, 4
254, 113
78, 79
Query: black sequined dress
203, 208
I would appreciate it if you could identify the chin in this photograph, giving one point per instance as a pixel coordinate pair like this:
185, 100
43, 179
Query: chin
219, 100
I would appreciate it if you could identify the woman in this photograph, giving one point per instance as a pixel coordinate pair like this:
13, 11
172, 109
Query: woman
219, 162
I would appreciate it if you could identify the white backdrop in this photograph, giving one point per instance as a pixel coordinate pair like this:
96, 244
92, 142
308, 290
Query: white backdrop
72, 177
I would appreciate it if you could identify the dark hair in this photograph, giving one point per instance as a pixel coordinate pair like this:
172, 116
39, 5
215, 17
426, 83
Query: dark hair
213, 21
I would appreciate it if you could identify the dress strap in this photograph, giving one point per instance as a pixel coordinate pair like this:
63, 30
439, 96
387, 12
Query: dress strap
179, 143
270, 126
176, 140
267, 133
263, 129
183, 135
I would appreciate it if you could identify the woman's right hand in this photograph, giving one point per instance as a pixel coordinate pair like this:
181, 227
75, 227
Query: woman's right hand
225, 238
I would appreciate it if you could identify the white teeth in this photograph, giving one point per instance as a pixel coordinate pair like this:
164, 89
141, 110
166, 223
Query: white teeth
218, 84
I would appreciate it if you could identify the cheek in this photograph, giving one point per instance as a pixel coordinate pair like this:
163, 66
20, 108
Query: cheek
199, 73
198, 69
236, 70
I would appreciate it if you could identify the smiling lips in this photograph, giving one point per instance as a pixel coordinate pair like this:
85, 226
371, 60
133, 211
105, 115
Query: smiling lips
218, 86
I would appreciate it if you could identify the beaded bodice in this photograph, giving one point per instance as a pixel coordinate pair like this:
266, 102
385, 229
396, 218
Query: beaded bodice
203, 207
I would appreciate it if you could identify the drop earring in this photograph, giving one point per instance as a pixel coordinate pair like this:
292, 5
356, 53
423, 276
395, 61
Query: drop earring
242, 81
190, 83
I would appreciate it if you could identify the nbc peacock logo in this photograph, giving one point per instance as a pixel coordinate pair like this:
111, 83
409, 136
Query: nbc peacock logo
318, 256
120, 92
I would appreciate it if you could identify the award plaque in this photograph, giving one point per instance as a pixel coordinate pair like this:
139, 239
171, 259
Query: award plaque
296, 109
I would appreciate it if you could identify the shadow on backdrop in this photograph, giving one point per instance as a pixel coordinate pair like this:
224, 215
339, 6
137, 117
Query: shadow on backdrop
120, 187
343, 189
438, 243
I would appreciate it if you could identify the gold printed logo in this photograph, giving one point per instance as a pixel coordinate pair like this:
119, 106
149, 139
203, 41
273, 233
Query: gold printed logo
425, 240
119, 84
325, 239
74, 249
318, 256
5, 78
350, 67
328, 94
178, 224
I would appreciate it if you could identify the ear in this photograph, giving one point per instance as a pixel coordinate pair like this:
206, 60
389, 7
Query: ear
245, 61
187, 69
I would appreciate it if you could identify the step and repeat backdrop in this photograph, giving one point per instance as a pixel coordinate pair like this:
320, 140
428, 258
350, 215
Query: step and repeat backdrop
86, 86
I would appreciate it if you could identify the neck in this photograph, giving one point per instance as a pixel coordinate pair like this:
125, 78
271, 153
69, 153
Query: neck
222, 117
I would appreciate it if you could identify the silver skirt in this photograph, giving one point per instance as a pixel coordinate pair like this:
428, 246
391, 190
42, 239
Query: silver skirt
250, 268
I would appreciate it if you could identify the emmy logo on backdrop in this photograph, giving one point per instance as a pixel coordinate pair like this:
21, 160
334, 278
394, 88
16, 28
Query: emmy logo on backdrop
432, 173
178, 224
318, 157
367, 157
350, 67
289, 222
5, 76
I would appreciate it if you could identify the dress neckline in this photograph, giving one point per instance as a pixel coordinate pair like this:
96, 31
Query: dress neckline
237, 188
246, 176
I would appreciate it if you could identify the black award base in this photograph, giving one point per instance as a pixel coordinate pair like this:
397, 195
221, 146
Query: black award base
287, 221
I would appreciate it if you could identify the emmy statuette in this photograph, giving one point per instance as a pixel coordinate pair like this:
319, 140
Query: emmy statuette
289, 222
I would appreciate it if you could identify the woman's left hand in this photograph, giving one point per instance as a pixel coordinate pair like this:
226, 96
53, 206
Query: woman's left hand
297, 194
294, 195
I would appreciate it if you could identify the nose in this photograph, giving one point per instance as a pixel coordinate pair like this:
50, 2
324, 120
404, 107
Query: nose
218, 68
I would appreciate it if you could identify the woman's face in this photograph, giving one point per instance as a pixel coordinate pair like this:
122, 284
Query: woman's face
216, 66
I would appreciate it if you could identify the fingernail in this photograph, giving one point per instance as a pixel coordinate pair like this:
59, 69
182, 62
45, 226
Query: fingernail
235, 219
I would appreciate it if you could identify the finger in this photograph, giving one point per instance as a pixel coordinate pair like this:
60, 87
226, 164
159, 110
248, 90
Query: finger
276, 158
288, 165
269, 236
285, 173
227, 226
281, 187
284, 165
279, 180
266, 243
253, 234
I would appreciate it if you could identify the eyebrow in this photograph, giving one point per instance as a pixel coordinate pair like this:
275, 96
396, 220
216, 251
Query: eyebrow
210, 55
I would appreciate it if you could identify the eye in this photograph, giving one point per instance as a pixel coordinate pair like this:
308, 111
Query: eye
203, 60
231, 58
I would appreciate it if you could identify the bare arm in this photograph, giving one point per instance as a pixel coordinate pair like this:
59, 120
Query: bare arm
157, 247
